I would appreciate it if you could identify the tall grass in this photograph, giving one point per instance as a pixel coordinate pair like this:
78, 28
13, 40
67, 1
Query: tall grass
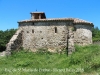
85, 61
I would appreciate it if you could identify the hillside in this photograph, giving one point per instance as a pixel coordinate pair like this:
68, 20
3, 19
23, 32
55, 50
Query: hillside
85, 61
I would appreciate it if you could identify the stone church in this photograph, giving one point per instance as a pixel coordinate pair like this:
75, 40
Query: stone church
54, 34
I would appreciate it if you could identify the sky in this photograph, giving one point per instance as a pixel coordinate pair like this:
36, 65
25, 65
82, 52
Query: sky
12, 11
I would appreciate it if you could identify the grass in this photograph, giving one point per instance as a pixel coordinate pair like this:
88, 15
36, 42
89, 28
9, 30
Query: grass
85, 61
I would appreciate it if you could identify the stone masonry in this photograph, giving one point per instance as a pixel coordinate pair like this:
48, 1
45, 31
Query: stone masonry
52, 34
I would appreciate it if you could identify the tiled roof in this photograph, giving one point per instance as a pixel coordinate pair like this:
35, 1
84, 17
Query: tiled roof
52, 19
75, 20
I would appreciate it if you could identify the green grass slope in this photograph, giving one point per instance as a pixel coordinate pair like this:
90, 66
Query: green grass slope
85, 61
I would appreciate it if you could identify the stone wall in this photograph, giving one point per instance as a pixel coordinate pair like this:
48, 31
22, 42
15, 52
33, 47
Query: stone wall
96, 42
50, 35
71, 47
15, 42
83, 34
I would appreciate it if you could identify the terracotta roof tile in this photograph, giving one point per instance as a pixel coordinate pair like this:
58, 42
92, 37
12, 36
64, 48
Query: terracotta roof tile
52, 19
75, 20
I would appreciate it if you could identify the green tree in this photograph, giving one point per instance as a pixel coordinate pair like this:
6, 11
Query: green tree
5, 36
96, 34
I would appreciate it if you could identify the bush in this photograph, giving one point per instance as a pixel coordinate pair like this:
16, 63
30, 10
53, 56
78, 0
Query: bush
5, 36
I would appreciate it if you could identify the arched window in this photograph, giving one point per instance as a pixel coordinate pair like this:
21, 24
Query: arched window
55, 29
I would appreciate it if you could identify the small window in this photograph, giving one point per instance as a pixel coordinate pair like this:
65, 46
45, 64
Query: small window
32, 30
55, 29
32, 23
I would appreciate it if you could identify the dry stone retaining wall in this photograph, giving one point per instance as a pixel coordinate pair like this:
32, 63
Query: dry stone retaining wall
15, 42
96, 42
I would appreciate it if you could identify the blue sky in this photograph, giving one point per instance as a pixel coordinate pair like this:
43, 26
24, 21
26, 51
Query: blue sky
12, 11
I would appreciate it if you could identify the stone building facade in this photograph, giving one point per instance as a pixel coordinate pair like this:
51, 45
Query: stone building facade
54, 34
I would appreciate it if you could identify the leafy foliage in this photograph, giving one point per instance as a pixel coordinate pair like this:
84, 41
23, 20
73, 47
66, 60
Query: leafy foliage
5, 36
96, 34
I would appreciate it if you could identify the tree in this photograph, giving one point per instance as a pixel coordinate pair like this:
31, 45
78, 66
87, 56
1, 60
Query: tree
96, 34
5, 36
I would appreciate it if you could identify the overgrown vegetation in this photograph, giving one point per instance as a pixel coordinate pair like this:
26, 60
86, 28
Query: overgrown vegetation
5, 36
85, 61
